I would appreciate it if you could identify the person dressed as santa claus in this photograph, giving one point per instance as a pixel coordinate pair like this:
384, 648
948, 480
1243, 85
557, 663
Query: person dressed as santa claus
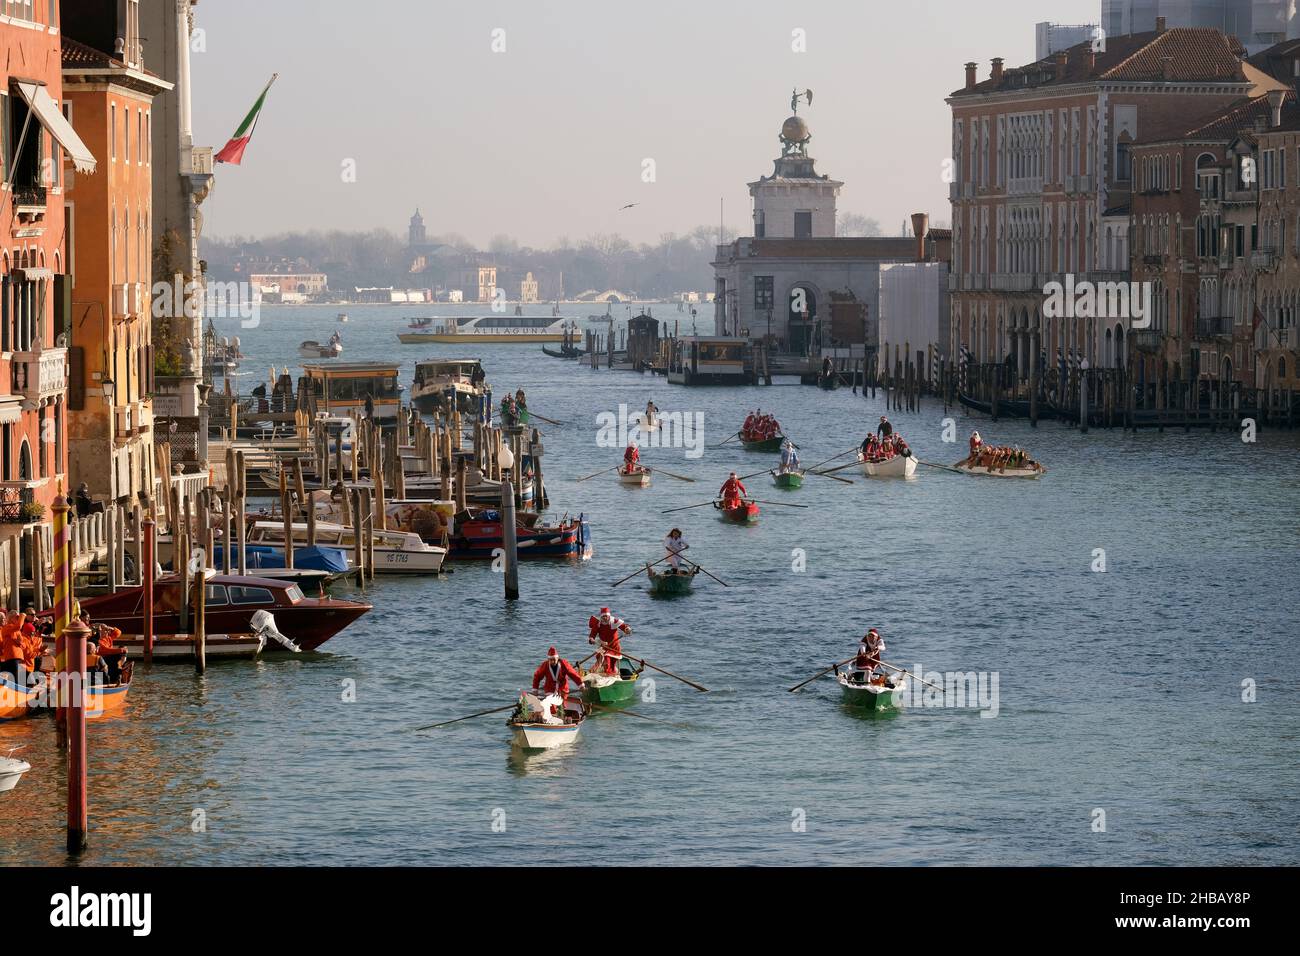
631, 458
607, 629
868, 659
731, 491
554, 674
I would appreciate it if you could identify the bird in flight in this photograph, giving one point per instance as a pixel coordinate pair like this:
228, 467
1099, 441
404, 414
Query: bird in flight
628, 206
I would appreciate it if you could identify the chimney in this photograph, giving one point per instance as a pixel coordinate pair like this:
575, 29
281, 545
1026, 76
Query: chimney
1090, 58
1167, 67
996, 75
921, 229
970, 75
1160, 24
1275, 100
1062, 57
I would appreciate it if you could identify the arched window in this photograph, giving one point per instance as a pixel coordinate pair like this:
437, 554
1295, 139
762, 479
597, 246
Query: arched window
25, 462
1281, 368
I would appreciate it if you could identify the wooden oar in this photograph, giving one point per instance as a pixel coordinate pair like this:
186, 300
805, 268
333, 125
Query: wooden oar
481, 713
783, 504
828, 471
847, 481
630, 713
687, 508
603, 471
668, 473
727, 439
549, 421
821, 673
638, 571
919, 680
944, 467
718, 579
755, 474
833, 457
645, 663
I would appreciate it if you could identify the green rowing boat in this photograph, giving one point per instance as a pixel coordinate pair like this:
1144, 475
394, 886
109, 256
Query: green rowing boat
788, 479
878, 697
670, 583
764, 444
621, 690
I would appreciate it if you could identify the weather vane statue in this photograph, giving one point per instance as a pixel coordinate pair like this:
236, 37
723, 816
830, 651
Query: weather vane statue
796, 97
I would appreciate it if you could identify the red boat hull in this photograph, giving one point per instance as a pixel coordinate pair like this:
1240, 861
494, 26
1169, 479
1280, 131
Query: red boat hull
743, 513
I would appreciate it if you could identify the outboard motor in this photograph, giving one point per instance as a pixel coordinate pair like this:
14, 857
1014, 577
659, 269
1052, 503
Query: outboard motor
264, 626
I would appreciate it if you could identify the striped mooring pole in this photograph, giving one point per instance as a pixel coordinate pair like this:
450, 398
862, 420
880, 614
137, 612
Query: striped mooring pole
73, 678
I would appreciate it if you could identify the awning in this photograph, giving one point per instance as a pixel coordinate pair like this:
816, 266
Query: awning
53, 120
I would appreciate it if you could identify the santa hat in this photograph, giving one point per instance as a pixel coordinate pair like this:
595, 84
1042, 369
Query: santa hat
604, 610
552, 652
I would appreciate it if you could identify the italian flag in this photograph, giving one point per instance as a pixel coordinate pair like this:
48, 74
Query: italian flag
233, 151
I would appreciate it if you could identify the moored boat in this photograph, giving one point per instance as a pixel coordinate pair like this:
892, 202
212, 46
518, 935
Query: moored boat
634, 475
742, 513
895, 466
668, 583
313, 349
396, 552
440, 381
881, 694
480, 536
264, 557
11, 770
788, 479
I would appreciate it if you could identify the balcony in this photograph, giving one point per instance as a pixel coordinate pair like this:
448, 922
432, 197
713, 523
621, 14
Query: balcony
18, 502
38, 376
1214, 326
1147, 340
1264, 259
29, 211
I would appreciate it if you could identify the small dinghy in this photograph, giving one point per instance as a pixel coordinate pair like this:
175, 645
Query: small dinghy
649, 425
670, 582
636, 476
343, 317
546, 723
742, 513
788, 479
599, 688
313, 349
12, 770
895, 466
880, 693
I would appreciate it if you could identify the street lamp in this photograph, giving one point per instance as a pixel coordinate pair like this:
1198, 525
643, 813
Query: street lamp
109, 389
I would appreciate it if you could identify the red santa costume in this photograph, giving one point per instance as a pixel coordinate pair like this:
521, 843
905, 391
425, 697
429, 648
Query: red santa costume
869, 651
554, 674
975, 442
608, 629
731, 491
630, 457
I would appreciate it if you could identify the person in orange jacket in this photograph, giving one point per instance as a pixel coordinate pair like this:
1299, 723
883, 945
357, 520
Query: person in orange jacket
12, 649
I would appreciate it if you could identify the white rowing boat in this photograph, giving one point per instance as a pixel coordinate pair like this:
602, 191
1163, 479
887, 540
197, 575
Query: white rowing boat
648, 426
637, 477
540, 728
1000, 472
899, 466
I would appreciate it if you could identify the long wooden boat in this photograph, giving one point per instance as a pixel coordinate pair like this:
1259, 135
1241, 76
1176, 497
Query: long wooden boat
543, 735
232, 601
827, 383
669, 582
788, 479
480, 537
986, 472
897, 466
637, 476
599, 688
878, 697
101, 698
109, 699
762, 444
742, 513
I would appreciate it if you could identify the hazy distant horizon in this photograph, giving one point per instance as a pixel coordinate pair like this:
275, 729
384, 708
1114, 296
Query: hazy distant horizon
546, 141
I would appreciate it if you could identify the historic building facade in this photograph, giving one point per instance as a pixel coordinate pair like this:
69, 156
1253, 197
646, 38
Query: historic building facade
1043, 179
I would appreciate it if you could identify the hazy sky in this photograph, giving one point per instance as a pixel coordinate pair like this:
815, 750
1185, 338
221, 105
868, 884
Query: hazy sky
548, 138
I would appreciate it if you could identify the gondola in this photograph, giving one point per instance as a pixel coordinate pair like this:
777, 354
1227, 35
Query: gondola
565, 352
1007, 408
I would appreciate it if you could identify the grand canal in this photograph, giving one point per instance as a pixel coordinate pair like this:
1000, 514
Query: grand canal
1118, 691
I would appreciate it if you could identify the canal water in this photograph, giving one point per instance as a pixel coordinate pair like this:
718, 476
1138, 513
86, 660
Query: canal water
1144, 714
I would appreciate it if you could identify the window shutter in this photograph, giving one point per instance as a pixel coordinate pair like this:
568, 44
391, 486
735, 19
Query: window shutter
76, 378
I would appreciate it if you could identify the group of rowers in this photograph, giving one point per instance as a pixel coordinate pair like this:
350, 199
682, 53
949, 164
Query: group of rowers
759, 427
884, 443
605, 631
23, 637
996, 457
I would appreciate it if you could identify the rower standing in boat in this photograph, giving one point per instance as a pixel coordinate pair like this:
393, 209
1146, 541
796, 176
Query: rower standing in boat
651, 413
789, 457
675, 544
554, 674
732, 491
884, 429
608, 629
631, 457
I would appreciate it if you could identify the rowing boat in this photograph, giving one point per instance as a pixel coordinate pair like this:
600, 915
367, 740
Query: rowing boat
742, 513
1000, 472
598, 688
649, 426
898, 466
763, 444
670, 582
871, 696
788, 479
531, 731
636, 476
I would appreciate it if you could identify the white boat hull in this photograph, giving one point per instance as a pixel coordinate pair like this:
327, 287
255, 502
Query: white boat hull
11, 771
900, 466
172, 648
999, 473
390, 561
544, 736
638, 479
